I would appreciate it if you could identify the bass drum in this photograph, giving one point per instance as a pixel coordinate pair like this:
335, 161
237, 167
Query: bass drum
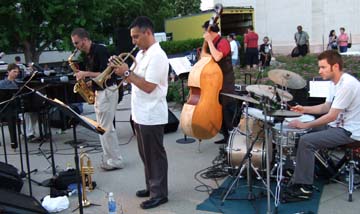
236, 151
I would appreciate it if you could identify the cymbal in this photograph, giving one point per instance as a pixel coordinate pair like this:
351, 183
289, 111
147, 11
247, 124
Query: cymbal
287, 79
242, 97
270, 92
284, 113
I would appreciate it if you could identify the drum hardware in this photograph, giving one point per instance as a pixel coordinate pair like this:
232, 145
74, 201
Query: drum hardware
259, 74
242, 97
280, 114
265, 102
270, 92
247, 157
287, 79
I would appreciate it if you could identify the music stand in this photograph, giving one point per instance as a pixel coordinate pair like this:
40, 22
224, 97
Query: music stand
18, 96
76, 119
182, 67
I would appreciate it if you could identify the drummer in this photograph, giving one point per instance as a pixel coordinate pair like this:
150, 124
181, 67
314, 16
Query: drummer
339, 125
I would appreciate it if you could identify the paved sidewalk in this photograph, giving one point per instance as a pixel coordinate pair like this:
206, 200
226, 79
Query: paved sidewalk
185, 160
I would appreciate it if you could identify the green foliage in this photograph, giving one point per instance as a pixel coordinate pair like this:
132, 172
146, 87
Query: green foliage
33, 26
175, 47
306, 67
175, 92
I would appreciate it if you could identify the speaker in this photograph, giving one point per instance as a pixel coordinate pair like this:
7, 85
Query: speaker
171, 126
17, 203
10, 178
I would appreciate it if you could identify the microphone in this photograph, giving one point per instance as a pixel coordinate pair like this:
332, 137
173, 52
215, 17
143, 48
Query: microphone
60, 79
38, 67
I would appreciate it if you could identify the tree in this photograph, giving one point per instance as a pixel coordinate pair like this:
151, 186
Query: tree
186, 7
33, 26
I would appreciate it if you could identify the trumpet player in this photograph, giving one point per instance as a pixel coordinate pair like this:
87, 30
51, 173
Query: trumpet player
105, 99
149, 108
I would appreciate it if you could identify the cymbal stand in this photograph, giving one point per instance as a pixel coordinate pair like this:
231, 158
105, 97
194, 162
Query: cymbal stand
247, 157
267, 145
279, 172
260, 73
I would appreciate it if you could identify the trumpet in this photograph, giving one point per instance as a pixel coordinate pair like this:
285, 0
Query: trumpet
101, 79
86, 172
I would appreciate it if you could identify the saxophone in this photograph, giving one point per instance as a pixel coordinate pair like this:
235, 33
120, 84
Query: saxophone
80, 87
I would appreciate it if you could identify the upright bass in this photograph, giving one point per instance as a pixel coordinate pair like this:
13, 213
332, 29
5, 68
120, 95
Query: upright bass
201, 116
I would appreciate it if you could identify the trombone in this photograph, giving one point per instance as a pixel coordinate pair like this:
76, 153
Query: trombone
101, 79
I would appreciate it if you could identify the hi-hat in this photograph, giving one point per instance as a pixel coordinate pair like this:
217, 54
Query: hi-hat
270, 92
284, 113
287, 79
242, 97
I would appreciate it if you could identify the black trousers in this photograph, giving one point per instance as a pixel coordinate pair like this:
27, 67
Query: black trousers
303, 49
228, 110
11, 119
153, 154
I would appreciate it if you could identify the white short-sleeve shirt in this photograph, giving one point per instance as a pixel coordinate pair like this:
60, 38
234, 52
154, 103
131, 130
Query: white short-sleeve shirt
345, 96
151, 108
234, 50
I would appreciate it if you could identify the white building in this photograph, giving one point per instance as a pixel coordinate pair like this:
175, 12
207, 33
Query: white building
278, 20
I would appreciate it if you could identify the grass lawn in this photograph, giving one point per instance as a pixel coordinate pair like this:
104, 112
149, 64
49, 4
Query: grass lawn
304, 66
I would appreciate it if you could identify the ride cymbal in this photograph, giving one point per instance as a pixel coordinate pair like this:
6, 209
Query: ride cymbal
287, 79
242, 97
269, 92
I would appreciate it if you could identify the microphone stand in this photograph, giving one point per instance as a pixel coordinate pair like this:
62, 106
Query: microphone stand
7, 102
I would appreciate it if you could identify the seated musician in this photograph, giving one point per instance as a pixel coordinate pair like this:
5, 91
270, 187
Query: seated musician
8, 114
339, 124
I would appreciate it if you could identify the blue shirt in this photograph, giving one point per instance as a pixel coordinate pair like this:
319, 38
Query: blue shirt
8, 84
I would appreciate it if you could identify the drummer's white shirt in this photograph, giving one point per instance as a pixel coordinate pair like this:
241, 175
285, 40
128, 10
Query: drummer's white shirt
345, 95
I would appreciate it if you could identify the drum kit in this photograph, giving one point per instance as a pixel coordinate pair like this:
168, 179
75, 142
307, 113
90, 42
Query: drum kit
262, 133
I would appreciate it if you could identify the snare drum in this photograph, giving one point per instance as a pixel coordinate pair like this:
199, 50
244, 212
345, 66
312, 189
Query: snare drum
236, 151
290, 136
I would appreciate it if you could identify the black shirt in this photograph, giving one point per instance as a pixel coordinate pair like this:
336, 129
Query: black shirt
96, 61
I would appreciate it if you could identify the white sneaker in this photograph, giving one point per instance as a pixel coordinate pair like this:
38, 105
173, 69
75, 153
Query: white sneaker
107, 167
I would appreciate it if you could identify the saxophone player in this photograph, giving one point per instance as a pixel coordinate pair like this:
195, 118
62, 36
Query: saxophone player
106, 99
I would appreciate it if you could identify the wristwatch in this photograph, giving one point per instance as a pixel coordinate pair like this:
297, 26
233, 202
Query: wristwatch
127, 73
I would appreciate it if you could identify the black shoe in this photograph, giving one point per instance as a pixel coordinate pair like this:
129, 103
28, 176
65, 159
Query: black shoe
153, 202
223, 141
143, 193
302, 191
13, 145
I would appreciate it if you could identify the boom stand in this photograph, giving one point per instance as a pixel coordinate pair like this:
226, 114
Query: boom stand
20, 96
267, 157
249, 166
85, 122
